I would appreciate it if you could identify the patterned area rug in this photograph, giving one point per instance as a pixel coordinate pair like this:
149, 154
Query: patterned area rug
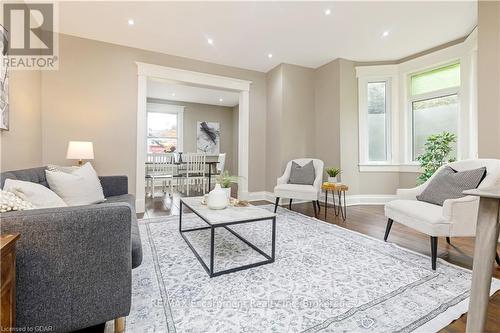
325, 279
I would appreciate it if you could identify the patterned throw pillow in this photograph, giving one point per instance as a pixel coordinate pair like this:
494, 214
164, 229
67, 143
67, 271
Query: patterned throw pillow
302, 175
11, 202
449, 184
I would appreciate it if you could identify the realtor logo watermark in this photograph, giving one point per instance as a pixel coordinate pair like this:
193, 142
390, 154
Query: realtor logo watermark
29, 37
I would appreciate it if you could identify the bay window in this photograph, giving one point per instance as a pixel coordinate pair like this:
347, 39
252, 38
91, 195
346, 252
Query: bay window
434, 105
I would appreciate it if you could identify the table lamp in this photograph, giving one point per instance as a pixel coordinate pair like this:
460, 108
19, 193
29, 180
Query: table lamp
80, 150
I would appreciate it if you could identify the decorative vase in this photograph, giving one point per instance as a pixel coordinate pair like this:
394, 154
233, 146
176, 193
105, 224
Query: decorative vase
228, 192
332, 179
217, 198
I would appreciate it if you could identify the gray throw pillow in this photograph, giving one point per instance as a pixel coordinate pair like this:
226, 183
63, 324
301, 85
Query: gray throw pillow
449, 184
302, 175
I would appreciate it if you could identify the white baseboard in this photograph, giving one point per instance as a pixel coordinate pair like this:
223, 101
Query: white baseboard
351, 200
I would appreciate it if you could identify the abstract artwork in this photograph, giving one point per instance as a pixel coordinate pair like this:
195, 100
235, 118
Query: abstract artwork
4, 81
208, 137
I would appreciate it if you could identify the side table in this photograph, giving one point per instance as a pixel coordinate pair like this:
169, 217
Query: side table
8, 282
485, 248
339, 190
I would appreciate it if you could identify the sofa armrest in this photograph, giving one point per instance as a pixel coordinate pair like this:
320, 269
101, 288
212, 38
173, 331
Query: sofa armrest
73, 265
114, 185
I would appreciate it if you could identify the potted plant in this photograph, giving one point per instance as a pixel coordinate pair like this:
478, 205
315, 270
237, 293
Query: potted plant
225, 180
333, 174
437, 152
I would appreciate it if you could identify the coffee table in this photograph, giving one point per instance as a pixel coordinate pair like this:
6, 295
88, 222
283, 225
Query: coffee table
223, 219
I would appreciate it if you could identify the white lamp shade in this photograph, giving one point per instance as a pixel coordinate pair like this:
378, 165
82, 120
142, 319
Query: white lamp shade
80, 150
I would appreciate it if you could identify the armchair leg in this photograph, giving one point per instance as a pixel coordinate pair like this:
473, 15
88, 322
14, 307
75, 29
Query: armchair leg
434, 244
319, 207
120, 325
448, 240
315, 209
290, 204
276, 204
388, 229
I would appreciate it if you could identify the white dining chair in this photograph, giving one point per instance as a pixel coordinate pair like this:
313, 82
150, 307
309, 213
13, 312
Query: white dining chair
193, 172
162, 169
221, 163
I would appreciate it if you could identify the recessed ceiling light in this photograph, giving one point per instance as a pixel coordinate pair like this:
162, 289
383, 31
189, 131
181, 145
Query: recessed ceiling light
220, 99
210, 41
173, 94
328, 12
385, 34
270, 55
131, 22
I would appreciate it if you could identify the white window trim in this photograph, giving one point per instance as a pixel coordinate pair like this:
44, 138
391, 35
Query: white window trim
174, 109
388, 74
401, 126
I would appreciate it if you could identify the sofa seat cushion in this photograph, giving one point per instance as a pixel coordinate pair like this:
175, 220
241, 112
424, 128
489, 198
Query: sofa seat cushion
419, 215
136, 237
305, 192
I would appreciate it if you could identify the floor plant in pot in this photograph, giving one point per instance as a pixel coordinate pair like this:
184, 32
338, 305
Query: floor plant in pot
333, 174
225, 180
437, 151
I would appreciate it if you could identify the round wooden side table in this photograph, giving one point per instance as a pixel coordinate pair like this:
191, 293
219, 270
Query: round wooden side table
340, 190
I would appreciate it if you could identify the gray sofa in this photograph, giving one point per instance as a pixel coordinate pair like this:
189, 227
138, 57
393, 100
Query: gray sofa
74, 263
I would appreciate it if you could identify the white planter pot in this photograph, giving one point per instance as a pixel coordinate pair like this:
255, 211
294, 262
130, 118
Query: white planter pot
228, 192
332, 179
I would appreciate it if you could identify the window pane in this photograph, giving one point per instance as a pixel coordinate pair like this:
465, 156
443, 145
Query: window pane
434, 116
377, 121
162, 124
161, 145
436, 79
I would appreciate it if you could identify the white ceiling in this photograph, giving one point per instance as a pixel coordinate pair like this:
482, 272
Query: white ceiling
175, 92
244, 33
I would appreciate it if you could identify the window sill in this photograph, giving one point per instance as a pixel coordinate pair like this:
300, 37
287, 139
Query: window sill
411, 168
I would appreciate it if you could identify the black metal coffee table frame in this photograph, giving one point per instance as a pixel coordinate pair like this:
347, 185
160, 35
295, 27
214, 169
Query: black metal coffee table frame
210, 268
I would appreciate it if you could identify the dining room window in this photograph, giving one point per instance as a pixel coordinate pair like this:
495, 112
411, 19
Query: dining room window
164, 128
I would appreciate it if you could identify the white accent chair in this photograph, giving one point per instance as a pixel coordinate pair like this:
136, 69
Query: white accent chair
300, 192
456, 218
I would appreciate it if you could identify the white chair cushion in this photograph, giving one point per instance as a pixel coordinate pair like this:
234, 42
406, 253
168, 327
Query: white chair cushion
295, 191
419, 215
37, 194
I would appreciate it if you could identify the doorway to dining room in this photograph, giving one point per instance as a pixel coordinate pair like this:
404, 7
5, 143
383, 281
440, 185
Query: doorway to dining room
185, 116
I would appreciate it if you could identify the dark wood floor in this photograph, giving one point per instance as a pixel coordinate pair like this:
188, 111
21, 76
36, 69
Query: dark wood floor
370, 220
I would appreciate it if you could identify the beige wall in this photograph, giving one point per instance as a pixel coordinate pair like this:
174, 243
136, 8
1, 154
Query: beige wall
22, 145
273, 126
327, 113
93, 96
195, 112
290, 118
489, 79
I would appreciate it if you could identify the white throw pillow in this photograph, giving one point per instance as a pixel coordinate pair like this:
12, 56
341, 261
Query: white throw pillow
11, 202
80, 187
37, 194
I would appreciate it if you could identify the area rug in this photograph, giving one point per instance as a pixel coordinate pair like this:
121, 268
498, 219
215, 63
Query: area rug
325, 279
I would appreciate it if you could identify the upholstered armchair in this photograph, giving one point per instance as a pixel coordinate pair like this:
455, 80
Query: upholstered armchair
300, 192
456, 218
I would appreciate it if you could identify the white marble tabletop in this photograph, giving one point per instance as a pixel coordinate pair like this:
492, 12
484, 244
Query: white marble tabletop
228, 214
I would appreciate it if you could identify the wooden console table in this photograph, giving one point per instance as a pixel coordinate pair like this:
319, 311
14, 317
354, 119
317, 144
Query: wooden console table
340, 190
8, 282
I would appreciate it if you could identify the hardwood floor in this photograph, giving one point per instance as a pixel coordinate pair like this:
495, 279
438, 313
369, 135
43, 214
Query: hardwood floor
370, 220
